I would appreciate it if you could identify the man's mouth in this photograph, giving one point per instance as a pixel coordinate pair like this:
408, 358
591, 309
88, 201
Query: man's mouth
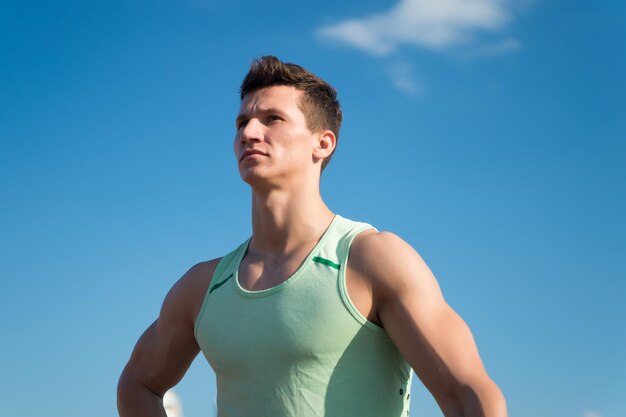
251, 152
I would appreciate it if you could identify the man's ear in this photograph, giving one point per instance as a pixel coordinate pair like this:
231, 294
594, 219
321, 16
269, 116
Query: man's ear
326, 142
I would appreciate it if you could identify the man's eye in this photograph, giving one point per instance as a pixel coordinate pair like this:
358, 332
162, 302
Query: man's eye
274, 117
241, 124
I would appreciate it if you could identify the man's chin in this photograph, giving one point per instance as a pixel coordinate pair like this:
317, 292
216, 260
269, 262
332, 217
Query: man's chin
255, 177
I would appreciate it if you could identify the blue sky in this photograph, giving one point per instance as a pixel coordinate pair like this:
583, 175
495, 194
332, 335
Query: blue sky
489, 134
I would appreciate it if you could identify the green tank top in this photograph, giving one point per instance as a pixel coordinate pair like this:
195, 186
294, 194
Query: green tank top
300, 348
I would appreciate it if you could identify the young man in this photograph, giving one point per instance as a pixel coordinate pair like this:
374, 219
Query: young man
314, 315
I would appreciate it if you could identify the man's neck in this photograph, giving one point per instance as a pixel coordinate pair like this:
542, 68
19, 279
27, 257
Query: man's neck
284, 220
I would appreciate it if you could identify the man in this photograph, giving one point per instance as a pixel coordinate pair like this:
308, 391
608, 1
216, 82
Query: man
314, 314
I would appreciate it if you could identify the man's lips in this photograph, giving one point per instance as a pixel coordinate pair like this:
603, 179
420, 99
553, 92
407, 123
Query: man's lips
251, 152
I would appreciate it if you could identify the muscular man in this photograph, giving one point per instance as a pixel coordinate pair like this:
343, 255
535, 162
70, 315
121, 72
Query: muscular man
314, 315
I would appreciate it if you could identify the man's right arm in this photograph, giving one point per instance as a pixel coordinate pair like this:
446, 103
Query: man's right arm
165, 351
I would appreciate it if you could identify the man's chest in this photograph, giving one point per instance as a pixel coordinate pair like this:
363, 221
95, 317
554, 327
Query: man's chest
293, 322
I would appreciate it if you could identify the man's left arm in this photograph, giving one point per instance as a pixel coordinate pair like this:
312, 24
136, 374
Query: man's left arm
430, 335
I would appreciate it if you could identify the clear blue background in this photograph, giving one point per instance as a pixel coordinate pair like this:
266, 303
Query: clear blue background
506, 172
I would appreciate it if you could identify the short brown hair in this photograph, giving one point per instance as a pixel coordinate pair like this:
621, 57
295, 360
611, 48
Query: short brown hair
319, 105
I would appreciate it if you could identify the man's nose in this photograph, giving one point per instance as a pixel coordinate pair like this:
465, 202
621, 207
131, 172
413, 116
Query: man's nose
252, 131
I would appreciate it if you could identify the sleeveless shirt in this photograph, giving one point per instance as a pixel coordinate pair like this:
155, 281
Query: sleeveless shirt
300, 348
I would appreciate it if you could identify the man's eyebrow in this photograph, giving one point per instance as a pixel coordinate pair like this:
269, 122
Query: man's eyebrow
266, 110
272, 110
241, 117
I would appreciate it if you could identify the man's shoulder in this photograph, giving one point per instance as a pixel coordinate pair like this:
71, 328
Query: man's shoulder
372, 248
202, 269
199, 275
385, 260
187, 294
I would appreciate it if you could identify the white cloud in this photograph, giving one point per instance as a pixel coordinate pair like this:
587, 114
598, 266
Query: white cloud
401, 77
431, 24
591, 413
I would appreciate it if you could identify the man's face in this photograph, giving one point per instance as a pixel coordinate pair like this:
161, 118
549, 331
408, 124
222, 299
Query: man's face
273, 142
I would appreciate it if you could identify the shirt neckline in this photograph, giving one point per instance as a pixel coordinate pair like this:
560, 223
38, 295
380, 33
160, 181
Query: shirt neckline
289, 280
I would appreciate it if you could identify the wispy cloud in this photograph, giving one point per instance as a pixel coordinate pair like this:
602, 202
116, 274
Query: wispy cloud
591, 413
469, 28
432, 24
402, 78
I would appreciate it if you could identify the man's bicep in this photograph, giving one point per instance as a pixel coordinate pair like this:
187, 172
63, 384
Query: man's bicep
162, 356
166, 349
435, 341
429, 334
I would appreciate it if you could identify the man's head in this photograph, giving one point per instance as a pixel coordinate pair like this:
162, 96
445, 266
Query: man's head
319, 102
